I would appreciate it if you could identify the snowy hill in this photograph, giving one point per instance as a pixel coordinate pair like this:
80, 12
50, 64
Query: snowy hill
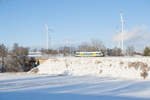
129, 68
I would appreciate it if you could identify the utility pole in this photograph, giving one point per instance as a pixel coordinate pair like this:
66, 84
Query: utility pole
122, 31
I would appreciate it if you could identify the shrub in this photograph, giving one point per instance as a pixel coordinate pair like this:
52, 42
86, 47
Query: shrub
144, 74
146, 51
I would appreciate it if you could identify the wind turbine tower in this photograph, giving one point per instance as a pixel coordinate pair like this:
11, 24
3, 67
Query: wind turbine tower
47, 37
122, 31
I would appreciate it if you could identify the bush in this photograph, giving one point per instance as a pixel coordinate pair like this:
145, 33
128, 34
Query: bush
12, 64
18, 64
15, 60
146, 51
144, 74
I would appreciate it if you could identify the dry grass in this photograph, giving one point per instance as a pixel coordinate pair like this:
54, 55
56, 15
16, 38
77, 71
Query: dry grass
144, 74
140, 65
121, 63
42, 60
97, 62
54, 60
66, 63
110, 65
100, 71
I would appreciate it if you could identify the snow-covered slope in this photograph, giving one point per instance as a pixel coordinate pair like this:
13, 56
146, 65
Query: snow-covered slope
23, 86
130, 68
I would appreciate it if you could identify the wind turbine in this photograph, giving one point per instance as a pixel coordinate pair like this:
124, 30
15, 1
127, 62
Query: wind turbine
122, 30
48, 38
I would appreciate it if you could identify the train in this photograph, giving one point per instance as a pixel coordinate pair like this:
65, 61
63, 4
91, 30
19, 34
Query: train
89, 54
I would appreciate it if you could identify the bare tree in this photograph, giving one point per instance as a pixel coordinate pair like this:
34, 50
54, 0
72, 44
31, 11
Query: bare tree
43, 51
3, 53
130, 51
49, 51
117, 51
64, 50
85, 47
114, 52
19, 51
97, 45
94, 45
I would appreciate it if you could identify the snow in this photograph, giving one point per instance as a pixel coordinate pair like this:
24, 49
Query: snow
0, 67
106, 78
23, 86
128, 68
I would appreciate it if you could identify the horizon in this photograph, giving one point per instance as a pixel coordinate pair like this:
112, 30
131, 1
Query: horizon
74, 21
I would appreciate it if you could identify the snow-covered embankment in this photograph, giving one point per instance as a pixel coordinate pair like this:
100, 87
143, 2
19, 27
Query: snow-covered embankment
130, 68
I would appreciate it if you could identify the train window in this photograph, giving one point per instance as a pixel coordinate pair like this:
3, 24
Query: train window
77, 53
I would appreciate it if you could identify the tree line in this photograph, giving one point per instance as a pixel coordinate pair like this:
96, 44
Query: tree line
17, 60
92, 46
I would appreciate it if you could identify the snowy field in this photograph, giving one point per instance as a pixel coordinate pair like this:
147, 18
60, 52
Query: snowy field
23, 86
71, 78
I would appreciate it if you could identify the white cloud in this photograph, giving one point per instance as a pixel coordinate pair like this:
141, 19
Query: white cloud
138, 37
128, 35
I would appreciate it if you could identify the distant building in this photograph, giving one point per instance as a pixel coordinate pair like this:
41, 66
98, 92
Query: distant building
35, 54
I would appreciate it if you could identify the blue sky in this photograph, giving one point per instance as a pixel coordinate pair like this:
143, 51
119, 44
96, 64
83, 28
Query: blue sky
23, 21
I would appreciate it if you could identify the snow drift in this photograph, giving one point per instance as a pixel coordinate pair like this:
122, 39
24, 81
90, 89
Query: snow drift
130, 68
